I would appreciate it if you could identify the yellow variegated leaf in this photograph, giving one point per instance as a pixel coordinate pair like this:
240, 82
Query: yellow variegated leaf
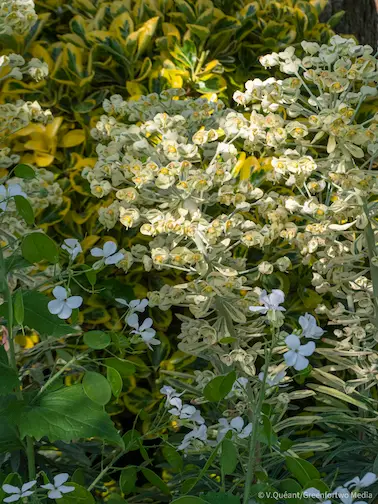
42, 159
338, 395
73, 39
145, 70
132, 43
135, 90
122, 26
200, 31
98, 35
95, 315
80, 162
114, 324
145, 34
73, 138
89, 242
171, 31
40, 52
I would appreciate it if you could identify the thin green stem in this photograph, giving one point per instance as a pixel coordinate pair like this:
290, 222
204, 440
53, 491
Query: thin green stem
31, 457
372, 253
255, 429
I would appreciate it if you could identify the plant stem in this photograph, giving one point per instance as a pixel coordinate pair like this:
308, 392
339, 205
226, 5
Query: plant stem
31, 457
255, 429
13, 361
372, 253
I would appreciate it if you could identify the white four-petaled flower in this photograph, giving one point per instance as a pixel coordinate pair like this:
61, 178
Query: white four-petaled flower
199, 433
236, 426
185, 411
270, 302
9, 191
309, 327
272, 380
145, 331
296, 356
364, 482
57, 489
108, 252
72, 247
18, 493
63, 305
136, 305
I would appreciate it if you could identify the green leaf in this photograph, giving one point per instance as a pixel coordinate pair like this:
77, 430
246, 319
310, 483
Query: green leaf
97, 339
18, 307
9, 438
229, 456
90, 274
291, 486
188, 499
79, 496
115, 381
25, 209
8, 376
131, 440
335, 19
219, 387
221, 498
173, 458
155, 480
16, 262
38, 317
125, 368
301, 469
97, 388
115, 499
128, 479
36, 247
65, 414
24, 171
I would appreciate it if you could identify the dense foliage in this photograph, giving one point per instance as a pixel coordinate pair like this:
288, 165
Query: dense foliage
189, 276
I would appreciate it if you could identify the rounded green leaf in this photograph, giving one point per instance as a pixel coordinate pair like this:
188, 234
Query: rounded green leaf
97, 339
24, 171
130, 439
188, 500
97, 388
79, 496
18, 308
128, 479
115, 380
38, 247
155, 480
24, 209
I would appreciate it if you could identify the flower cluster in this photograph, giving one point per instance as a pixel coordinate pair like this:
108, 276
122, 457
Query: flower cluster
16, 16
56, 490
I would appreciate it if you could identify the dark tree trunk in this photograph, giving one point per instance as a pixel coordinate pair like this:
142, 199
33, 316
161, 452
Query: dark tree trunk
360, 19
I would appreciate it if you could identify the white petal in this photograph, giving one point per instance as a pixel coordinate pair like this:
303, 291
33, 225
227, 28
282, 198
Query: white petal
114, 259
277, 297
11, 489
146, 324
341, 227
74, 301
368, 479
12, 498
260, 309
312, 492
133, 320
55, 306
54, 494
109, 248
59, 479
71, 242
27, 493
142, 305
293, 342
48, 486
60, 293
147, 335
3, 191
97, 252
307, 349
65, 313
237, 423
66, 489
301, 363
290, 357
246, 432
122, 302
28, 486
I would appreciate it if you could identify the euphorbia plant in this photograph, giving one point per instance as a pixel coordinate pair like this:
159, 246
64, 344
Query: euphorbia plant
240, 201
